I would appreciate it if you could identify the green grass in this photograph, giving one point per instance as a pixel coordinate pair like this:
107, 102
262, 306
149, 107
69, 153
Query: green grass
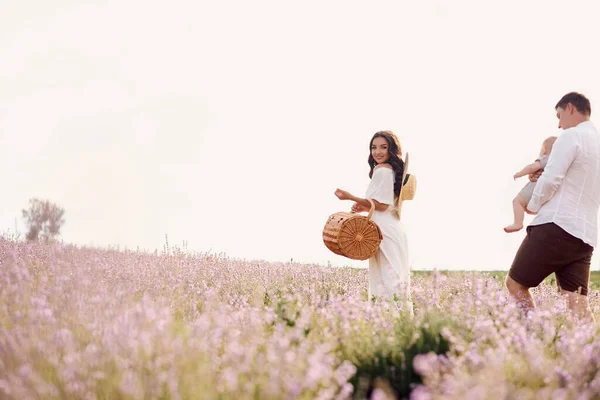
594, 276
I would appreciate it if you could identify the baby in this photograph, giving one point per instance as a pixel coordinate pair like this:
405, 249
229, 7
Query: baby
522, 199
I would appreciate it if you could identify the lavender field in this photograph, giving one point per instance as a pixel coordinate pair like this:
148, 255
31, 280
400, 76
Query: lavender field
82, 323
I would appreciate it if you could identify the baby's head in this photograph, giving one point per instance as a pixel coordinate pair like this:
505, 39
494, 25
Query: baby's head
547, 145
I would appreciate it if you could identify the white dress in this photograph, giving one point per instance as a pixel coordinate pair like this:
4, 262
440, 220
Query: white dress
389, 268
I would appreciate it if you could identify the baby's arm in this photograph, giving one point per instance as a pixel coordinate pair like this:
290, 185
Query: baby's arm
529, 169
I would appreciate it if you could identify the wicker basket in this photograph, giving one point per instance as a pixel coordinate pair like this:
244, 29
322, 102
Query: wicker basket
352, 235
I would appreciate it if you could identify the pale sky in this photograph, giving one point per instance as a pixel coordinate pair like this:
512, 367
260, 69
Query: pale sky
229, 124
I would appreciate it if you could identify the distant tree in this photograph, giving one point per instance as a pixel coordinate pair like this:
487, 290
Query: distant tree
44, 220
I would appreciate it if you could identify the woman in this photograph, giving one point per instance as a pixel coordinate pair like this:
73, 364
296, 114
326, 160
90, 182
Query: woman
389, 269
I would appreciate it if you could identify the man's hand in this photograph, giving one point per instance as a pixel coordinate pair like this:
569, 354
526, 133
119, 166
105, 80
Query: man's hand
534, 177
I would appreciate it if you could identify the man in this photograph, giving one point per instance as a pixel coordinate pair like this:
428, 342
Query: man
562, 236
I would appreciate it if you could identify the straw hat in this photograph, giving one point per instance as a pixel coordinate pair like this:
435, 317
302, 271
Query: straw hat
408, 188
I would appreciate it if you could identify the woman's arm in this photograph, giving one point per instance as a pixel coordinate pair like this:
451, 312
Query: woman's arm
357, 208
343, 195
528, 169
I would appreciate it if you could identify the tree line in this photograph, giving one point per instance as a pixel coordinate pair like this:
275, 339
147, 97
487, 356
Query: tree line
43, 219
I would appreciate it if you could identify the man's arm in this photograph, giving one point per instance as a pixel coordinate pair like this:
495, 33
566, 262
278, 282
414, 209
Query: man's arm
563, 153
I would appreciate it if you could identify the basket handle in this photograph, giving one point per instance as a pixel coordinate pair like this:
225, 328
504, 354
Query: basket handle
372, 208
370, 211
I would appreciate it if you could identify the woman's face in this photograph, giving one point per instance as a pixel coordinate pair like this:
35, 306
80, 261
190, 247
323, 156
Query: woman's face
379, 150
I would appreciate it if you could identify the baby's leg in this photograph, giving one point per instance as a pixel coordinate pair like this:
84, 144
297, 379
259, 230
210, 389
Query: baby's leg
519, 204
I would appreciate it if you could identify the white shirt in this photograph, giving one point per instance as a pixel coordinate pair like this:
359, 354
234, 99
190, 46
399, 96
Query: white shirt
568, 191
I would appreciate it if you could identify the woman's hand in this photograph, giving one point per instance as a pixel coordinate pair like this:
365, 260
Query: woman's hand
357, 208
342, 194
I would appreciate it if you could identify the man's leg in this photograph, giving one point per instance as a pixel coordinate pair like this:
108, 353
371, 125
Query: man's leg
579, 305
520, 293
535, 260
573, 279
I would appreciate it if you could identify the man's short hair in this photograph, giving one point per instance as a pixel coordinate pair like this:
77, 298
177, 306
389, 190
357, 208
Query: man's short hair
579, 101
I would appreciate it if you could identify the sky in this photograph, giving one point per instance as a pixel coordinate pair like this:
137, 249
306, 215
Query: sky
228, 125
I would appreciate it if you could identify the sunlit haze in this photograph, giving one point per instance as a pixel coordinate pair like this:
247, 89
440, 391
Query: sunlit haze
229, 124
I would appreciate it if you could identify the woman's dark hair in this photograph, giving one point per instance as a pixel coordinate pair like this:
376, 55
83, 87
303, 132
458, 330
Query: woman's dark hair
395, 160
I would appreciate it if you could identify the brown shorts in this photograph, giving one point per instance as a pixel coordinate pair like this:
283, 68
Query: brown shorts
547, 248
